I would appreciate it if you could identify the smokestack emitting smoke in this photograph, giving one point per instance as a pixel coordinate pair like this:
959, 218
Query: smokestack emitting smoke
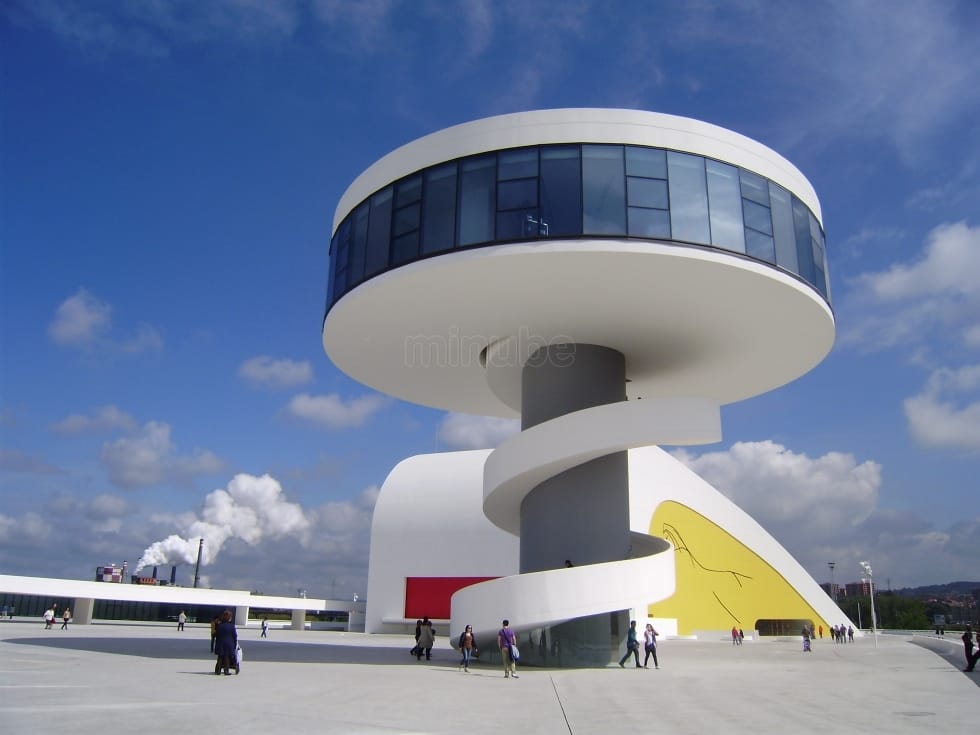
250, 508
197, 567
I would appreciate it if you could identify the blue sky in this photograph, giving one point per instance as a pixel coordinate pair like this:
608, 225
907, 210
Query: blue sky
168, 178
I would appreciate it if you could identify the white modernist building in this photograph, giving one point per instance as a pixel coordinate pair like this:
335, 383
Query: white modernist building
611, 277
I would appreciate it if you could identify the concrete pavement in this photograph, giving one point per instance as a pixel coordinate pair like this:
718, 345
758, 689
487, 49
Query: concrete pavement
116, 679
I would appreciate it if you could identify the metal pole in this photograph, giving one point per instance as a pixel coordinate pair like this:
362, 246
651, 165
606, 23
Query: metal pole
866, 565
833, 592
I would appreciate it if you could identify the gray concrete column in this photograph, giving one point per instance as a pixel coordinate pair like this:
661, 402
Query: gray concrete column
81, 613
299, 620
241, 616
581, 514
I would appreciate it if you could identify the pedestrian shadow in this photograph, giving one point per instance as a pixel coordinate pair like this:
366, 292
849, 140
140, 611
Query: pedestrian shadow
949, 651
254, 651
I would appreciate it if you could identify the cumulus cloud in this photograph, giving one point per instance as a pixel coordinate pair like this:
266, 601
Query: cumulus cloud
930, 308
250, 509
30, 530
14, 460
80, 320
464, 431
826, 508
949, 265
804, 497
334, 412
84, 322
947, 412
272, 373
150, 458
107, 418
910, 303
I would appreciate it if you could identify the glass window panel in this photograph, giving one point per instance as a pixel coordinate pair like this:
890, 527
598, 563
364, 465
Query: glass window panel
815, 232
405, 248
439, 209
517, 194
477, 200
358, 249
725, 207
651, 163
514, 225
646, 192
409, 190
649, 223
518, 164
561, 190
379, 232
406, 219
688, 198
804, 252
339, 283
760, 246
755, 187
782, 228
757, 217
604, 190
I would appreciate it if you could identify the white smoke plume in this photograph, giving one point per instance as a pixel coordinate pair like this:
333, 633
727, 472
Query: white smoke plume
250, 508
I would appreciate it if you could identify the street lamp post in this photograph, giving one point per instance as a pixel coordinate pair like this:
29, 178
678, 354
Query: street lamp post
833, 592
866, 566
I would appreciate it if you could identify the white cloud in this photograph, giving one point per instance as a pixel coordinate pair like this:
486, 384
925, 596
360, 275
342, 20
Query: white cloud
790, 493
80, 320
936, 419
30, 530
14, 460
333, 412
931, 303
84, 322
265, 370
463, 431
949, 266
107, 418
152, 28
146, 339
150, 459
826, 509
250, 509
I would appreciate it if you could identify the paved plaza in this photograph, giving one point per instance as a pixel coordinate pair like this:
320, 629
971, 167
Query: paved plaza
118, 679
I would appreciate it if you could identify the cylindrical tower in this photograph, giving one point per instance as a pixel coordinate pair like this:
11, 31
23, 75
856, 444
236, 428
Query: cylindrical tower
612, 277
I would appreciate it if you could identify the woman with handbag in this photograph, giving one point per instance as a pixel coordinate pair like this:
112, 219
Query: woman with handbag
467, 646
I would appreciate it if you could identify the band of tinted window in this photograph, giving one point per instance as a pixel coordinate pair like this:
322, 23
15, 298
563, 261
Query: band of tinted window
573, 191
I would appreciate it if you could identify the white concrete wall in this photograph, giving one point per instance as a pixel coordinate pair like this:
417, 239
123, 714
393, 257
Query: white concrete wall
429, 522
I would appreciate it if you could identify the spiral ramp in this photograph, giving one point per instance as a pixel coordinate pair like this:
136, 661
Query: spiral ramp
539, 600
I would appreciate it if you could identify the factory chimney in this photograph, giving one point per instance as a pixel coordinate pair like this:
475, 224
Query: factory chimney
197, 568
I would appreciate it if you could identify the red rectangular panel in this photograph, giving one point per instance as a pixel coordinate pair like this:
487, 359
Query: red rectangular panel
431, 595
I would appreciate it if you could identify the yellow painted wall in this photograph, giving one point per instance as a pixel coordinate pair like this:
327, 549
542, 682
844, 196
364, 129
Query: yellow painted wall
720, 582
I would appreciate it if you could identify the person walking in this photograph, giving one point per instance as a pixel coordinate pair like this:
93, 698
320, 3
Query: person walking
65, 618
650, 646
48, 618
632, 646
214, 630
181, 619
507, 643
467, 646
735, 640
967, 638
225, 643
265, 628
427, 639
